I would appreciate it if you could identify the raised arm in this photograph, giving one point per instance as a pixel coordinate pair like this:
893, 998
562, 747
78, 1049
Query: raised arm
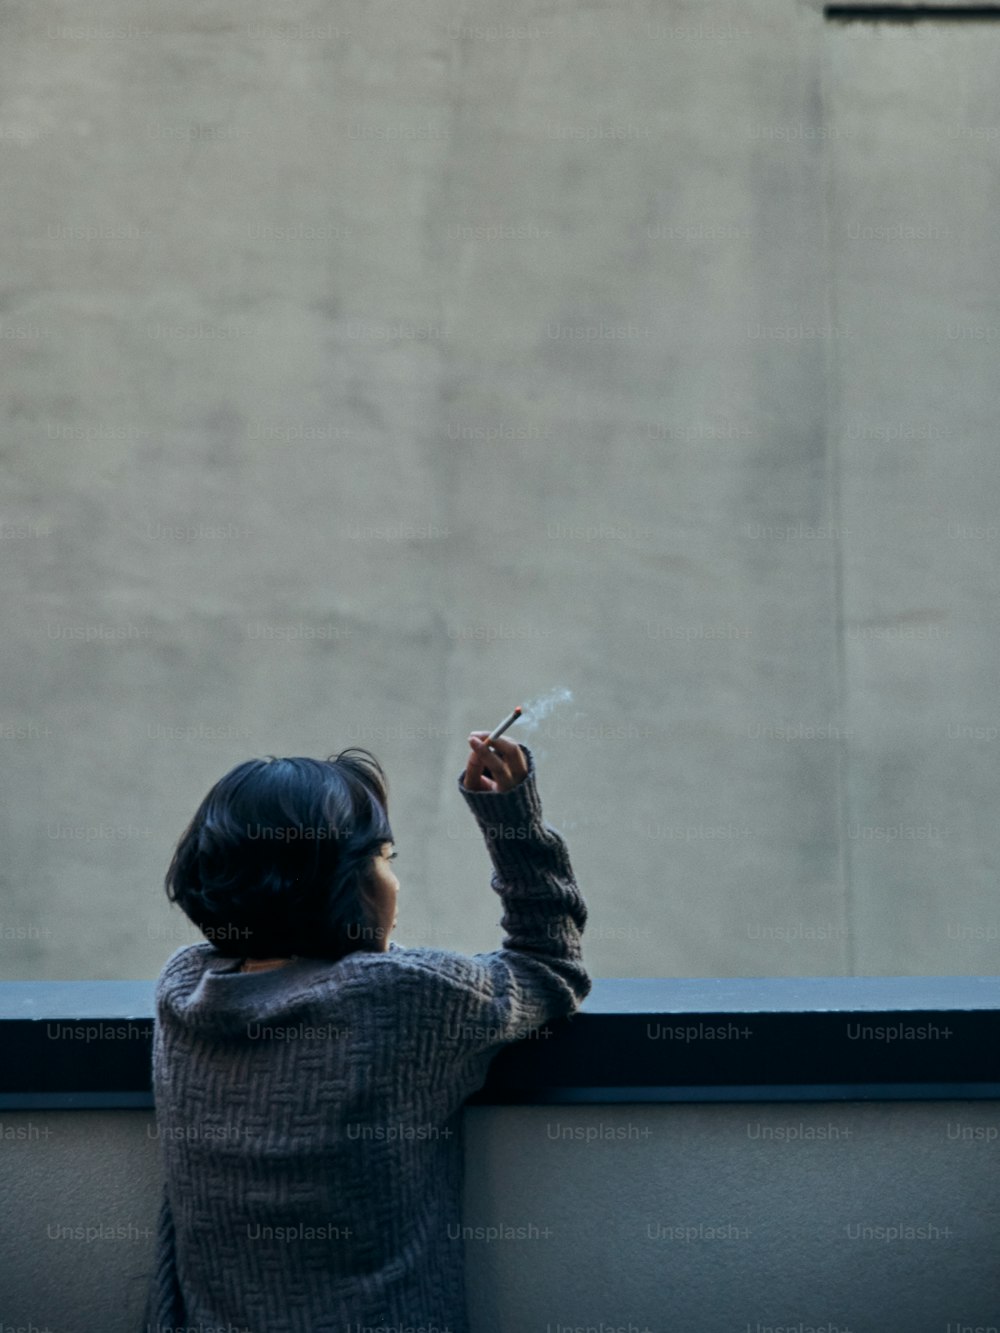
538, 973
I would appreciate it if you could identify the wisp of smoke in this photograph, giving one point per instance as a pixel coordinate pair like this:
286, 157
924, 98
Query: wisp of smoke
540, 708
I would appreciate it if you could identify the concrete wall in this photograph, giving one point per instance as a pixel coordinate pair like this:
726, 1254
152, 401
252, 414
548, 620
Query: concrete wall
878, 1218
369, 369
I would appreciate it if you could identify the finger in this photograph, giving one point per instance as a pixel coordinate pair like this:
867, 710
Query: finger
475, 779
512, 756
507, 749
486, 761
485, 754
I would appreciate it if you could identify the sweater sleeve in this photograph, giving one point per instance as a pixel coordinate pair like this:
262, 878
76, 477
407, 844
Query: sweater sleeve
538, 974
164, 1301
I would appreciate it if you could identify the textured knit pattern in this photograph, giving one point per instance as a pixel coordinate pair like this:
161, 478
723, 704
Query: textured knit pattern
310, 1117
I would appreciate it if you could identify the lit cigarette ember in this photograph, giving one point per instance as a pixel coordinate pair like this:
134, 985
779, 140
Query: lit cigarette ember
507, 722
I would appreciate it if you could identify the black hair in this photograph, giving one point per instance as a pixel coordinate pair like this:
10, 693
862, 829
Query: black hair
278, 859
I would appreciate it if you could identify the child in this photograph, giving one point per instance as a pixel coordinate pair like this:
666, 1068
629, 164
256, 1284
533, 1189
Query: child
309, 1075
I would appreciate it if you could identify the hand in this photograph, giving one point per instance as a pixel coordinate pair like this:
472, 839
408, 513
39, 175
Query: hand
495, 767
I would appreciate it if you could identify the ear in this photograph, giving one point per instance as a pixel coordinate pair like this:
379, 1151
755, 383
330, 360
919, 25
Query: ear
369, 895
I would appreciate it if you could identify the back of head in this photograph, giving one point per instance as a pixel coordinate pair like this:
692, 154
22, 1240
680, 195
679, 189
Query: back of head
277, 859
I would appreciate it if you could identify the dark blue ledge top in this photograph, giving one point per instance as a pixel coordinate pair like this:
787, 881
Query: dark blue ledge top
610, 995
777, 1038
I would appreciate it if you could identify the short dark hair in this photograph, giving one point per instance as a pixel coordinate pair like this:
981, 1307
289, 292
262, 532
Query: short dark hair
278, 859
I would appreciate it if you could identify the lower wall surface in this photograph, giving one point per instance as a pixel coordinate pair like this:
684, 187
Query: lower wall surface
845, 1217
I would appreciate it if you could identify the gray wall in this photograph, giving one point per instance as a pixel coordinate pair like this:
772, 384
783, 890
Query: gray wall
372, 369
878, 1218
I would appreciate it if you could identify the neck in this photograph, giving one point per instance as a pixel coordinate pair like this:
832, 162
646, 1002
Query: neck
259, 964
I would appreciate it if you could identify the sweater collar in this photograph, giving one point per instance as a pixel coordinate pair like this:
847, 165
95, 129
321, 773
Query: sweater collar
204, 989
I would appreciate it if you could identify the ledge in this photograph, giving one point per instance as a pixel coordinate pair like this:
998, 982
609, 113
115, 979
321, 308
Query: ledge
87, 1044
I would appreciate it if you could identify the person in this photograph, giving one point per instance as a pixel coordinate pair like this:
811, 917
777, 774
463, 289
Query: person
309, 1073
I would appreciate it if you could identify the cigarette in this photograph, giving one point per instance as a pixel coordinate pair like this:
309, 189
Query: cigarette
507, 722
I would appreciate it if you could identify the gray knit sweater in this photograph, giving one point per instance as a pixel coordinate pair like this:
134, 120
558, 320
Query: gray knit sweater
310, 1117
